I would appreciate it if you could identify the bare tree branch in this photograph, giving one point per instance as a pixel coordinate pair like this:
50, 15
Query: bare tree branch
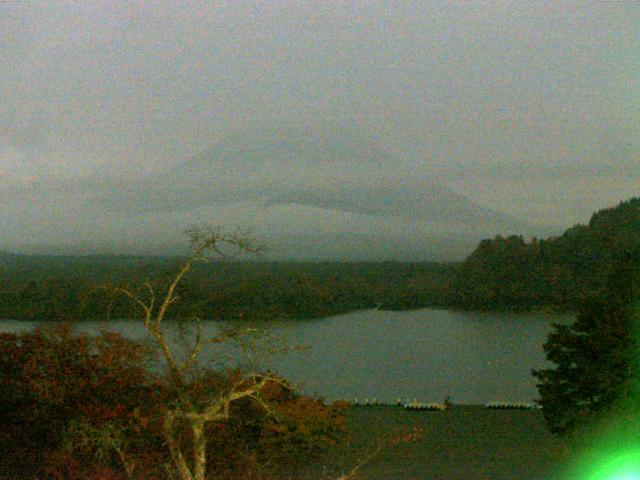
169, 298
197, 346
353, 472
204, 241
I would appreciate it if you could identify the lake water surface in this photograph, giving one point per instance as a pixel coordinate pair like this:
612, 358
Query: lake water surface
420, 354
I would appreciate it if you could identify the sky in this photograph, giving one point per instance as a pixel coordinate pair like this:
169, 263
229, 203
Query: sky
530, 109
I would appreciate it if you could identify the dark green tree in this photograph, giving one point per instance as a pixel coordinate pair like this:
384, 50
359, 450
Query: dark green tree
560, 272
595, 357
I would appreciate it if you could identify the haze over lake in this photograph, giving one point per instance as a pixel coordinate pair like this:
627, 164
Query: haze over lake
423, 354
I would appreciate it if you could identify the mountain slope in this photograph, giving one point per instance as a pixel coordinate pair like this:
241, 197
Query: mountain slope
329, 189
333, 172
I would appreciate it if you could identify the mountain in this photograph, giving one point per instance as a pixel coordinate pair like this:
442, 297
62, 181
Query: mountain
333, 191
338, 171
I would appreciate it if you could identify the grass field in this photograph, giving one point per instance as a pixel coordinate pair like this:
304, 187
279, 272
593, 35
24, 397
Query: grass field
463, 443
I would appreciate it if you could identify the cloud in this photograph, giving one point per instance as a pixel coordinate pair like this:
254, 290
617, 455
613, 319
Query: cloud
519, 108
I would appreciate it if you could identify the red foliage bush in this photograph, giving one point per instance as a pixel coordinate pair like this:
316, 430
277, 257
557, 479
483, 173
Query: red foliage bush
298, 430
50, 378
80, 407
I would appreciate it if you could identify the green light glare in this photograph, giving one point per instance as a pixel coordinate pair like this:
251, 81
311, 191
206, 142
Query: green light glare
620, 458
621, 466
610, 448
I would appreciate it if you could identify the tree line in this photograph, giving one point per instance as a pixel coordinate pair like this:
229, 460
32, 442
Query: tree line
71, 288
505, 273
561, 273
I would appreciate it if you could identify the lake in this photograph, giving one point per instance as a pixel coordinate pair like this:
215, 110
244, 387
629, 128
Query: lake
426, 354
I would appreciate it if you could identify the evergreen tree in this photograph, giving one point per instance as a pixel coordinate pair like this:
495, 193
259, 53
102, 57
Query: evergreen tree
595, 356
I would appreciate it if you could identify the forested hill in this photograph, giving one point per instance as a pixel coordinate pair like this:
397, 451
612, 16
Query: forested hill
560, 272
69, 288
501, 274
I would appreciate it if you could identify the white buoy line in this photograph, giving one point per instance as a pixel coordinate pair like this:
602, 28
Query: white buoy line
439, 406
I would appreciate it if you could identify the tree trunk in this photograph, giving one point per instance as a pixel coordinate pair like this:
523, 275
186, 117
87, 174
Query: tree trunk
174, 447
199, 450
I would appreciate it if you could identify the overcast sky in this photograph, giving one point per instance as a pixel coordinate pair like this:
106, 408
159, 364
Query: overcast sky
530, 108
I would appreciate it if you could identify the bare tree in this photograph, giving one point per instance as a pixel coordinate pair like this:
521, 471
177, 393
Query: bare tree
215, 407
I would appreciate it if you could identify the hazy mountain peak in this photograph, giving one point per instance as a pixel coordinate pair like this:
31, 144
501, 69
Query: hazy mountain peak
345, 189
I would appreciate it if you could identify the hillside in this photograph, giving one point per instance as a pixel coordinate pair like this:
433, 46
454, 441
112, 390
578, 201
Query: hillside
559, 272
64, 287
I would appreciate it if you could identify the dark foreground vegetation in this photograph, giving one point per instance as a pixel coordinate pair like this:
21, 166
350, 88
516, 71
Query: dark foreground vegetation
506, 273
79, 407
596, 371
